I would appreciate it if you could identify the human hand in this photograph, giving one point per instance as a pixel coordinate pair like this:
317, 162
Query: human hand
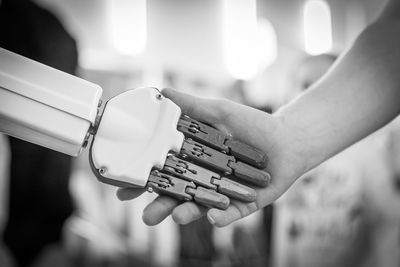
246, 124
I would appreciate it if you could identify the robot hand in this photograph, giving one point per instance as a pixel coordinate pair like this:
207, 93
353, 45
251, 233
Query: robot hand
143, 140
140, 139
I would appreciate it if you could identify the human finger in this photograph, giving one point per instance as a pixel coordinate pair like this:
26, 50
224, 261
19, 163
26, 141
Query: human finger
207, 110
160, 208
234, 212
238, 210
188, 212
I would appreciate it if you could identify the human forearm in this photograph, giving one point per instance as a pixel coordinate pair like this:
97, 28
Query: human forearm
357, 96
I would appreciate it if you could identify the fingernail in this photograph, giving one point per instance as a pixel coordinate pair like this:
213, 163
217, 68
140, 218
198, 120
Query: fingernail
210, 219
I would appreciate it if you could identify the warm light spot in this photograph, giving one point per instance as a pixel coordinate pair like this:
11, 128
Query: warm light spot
128, 25
248, 45
317, 27
267, 44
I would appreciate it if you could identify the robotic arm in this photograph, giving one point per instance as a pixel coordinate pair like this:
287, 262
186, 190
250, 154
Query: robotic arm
141, 139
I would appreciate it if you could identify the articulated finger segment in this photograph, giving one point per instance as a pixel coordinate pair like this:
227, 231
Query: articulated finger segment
216, 139
247, 153
203, 133
208, 179
226, 164
191, 172
235, 190
209, 198
165, 184
249, 173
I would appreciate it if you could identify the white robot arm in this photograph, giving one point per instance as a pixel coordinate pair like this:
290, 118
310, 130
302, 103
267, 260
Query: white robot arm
141, 139
45, 106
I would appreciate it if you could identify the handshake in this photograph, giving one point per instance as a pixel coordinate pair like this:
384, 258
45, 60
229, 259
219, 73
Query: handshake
143, 140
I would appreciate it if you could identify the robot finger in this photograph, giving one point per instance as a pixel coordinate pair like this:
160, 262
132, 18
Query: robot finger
218, 140
208, 179
165, 184
223, 163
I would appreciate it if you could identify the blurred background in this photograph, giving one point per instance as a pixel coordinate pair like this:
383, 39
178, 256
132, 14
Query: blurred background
261, 53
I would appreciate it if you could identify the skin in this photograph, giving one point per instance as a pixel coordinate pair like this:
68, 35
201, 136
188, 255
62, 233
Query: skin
360, 94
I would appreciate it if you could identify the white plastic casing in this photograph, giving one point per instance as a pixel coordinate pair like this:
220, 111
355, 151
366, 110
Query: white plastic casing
45, 106
137, 130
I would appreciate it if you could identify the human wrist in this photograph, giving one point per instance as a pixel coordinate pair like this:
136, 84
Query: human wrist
289, 151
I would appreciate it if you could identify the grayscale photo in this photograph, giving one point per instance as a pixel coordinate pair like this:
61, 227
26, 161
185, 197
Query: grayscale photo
188, 133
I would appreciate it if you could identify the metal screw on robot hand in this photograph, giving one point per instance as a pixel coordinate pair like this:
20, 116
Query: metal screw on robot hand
103, 170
